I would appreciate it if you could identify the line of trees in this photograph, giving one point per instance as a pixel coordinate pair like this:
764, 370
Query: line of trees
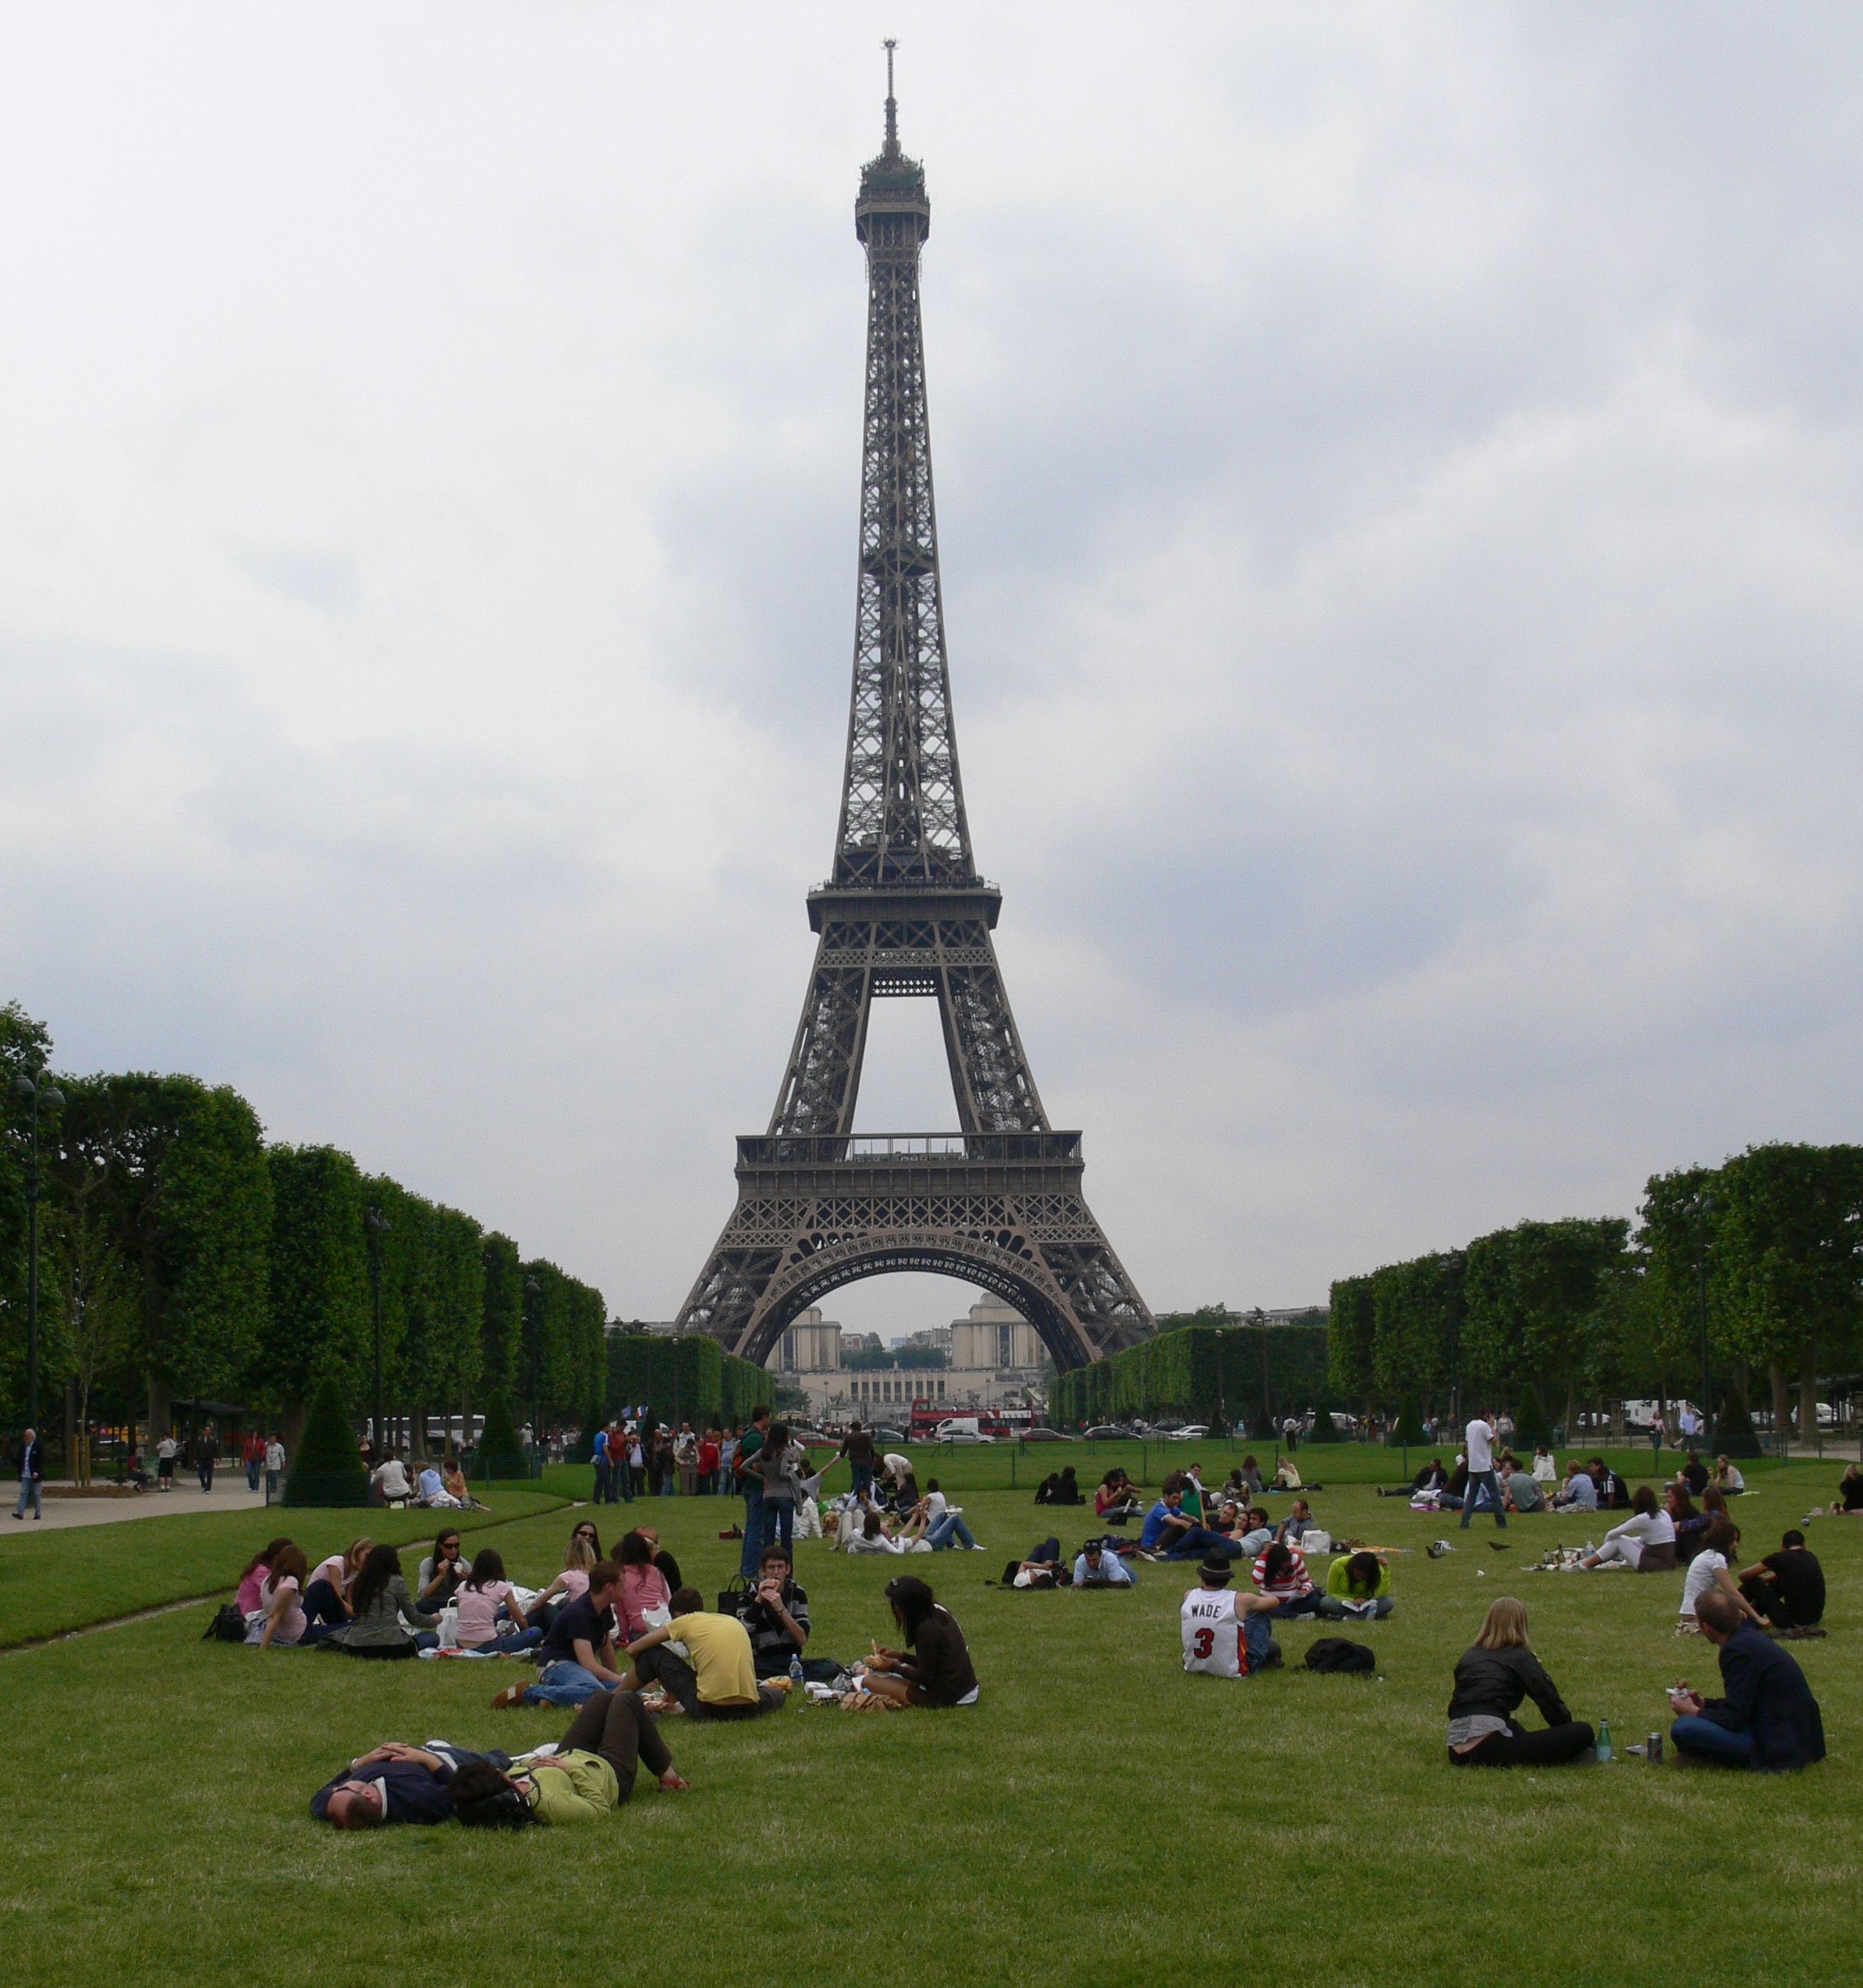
1199, 1367
1754, 1267
184, 1258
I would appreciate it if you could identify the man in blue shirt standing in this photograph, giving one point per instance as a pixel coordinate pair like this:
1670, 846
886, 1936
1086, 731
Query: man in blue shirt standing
604, 1478
32, 1475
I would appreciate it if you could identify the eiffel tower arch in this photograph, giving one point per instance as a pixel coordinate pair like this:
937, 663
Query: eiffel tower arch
904, 914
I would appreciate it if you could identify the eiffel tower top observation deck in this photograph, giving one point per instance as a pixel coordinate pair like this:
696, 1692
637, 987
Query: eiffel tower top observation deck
904, 913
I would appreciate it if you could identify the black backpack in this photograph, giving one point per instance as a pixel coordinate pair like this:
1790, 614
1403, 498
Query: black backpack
1340, 1653
228, 1626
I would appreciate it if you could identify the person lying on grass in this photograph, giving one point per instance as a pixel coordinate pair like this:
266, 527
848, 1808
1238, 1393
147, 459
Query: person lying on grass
578, 1651
933, 1669
1253, 1532
1849, 1502
589, 1777
1491, 1680
1769, 1720
1096, 1566
1645, 1543
395, 1783
1432, 1477
1357, 1584
717, 1676
1226, 1635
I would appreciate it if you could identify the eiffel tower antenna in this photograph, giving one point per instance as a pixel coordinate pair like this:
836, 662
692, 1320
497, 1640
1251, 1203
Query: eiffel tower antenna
903, 913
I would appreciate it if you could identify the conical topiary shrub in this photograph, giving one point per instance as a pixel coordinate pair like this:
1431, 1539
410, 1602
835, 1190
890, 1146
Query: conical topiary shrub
327, 1469
1733, 1435
1324, 1430
1410, 1425
1531, 1425
500, 1453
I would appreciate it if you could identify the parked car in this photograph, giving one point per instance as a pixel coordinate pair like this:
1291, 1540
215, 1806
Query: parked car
1043, 1436
894, 1435
966, 1436
1190, 1433
1106, 1432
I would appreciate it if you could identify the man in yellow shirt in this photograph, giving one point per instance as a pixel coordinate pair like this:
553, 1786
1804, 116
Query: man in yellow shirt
717, 1677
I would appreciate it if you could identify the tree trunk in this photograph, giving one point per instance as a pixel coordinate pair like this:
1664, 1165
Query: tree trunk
74, 1468
1808, 1391
291, 1428
161, 1413
1781, 1405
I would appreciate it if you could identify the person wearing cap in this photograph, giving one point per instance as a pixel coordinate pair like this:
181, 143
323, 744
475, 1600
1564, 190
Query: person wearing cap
1224, 1634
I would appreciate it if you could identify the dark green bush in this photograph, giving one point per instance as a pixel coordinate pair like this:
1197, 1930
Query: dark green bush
327, 1469
500, 1453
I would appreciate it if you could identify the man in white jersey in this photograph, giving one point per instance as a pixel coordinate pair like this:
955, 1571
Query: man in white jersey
1480, 1438
1226, 1635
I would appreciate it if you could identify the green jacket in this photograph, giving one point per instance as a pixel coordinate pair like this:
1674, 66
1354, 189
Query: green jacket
1336, 1581
573, 1787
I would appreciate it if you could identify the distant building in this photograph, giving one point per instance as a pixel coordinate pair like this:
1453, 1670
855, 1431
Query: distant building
996, 1358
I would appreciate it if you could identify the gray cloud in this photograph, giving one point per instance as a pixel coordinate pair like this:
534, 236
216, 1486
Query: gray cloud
1400, 505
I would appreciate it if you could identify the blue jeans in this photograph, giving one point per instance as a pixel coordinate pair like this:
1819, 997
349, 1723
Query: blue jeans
564, 1684
1478, 1482
271, 1484
950, 1528
1708, 1741
605, 1481
1199, 1540
252, 1477
779, 1522
746, 1563
863, 1478
29, 1491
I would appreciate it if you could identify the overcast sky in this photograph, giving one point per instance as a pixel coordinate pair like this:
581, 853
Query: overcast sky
1403, 538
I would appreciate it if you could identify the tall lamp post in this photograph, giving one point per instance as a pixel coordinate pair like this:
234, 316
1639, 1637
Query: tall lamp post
533, 1292
1259, 1319
41, 1091
1704, 1209
378, 1225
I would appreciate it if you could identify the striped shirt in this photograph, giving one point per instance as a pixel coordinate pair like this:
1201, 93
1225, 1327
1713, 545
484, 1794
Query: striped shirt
1293, 1581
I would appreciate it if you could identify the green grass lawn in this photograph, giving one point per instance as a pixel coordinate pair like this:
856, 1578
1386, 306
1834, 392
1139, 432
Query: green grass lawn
54, 1581
1099, 1818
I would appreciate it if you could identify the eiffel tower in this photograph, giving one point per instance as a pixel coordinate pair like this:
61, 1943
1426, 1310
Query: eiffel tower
1000, 1203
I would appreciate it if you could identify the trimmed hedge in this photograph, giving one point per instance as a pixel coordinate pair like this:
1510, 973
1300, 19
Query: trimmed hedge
1733, 1435
499, 1453
1201, 1371
683, 1377
327, 1469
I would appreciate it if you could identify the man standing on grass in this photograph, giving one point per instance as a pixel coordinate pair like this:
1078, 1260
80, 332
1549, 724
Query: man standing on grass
751, 1483
32, 1475
857, 1446
1479, 1437
604, 1476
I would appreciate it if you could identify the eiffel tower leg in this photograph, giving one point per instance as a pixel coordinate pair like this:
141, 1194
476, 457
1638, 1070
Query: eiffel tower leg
823, 1080
989, 1069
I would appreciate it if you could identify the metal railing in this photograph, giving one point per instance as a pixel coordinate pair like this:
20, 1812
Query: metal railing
886, 1148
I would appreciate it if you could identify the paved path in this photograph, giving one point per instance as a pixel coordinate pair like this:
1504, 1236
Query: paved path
230, 1494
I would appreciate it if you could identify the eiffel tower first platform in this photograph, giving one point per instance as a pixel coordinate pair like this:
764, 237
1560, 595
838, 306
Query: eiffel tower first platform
1000, 1203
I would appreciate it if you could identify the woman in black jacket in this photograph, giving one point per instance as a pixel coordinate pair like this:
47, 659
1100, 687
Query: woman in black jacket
1491, 1680
938, 1672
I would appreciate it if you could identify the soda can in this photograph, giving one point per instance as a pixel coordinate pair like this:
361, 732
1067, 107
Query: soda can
1653, 1746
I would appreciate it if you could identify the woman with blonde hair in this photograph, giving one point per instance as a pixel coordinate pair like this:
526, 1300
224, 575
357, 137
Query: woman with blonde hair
1491, 1679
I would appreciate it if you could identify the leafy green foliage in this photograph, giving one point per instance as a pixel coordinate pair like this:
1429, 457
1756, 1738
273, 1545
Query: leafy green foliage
1410, 1424
501, 1320
1733, 1435
1202, 1370
321, 1325
683, 1377
500, 1453
327, 1469
1530, 1422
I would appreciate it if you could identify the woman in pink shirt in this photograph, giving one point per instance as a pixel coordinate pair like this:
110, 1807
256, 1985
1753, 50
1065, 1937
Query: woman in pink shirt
281, 1595
478, 1600
253, 1574
642, 1588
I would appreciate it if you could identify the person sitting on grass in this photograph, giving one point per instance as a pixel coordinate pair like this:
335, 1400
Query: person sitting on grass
1287, 1476
1546, 1472
1521, 1492
280, 1598
255, 1574
934, 1671
1491, 1680
646, 1593
1097, 1566
379, 1600
454, 1479
430, 1489
1769, 1719
578, 1557
1357, 1584
1431, 1477
775, 1615
1223, 1634
1710, 1572
590, 1776
483, 1593
1249, 1477
1298, 1523
1579, 1493
1690, 1524
577, 1653
717, 1677
871, 1536
1787, 1587
395, 1783
1613, 1493
442, 1572
1116, 1501
1280, 1574
1168, 1535
1727, 1480
1849, 1500
1645, 1543
388, 1481
1694, 1474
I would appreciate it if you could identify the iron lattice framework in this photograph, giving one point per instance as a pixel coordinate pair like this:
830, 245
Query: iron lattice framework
904, 912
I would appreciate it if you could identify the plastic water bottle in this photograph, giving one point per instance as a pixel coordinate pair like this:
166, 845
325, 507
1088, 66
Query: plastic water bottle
1604, 1740
795, 1674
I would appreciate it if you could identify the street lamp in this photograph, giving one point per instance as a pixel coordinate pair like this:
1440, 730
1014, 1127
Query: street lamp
1259, 1319
378, 1225
1703, 1208
42, 1091
533, 1292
